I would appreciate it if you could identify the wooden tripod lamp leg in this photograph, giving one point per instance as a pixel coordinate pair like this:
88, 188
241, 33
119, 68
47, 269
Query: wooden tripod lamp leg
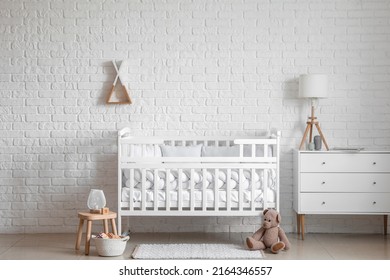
308, 127
312, 118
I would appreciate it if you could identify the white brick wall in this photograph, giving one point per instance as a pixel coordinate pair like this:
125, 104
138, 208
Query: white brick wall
197, 67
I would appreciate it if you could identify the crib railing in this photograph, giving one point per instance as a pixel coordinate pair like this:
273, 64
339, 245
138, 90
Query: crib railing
148, 147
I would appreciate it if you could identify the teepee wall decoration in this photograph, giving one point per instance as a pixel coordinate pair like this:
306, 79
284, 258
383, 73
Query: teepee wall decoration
121, 76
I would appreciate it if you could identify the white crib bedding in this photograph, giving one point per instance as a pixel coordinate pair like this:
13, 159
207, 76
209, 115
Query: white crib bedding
199, 179
198, 195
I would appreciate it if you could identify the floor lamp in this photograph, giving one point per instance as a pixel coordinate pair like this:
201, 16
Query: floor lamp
313, 87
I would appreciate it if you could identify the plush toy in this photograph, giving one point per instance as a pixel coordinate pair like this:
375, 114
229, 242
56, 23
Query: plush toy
270, 235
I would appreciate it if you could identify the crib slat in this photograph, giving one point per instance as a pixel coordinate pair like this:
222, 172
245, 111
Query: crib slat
167, 188
216, 193
131, 200
265, 188
241, 150
253, 171
228, 190
265, 150
143, 191
180, 191
240, 189
192, 187
253, 150
155, 190
204, 195
156, 150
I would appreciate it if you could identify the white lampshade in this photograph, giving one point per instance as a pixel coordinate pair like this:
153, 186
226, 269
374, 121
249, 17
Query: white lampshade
313, 86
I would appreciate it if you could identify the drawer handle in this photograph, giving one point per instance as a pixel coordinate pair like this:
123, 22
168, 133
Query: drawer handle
374, 183
374, 163
323, 163
374, 202
323, 183
323, 203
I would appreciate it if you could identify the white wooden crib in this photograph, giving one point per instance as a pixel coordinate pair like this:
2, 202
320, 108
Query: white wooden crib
196, 176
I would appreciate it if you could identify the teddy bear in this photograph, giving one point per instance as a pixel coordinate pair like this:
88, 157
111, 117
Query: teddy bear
270, 235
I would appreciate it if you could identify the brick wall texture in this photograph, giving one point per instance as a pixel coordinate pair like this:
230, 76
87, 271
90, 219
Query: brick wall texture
196, 67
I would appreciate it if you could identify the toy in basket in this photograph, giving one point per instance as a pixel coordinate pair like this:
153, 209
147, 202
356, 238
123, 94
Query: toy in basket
110, 245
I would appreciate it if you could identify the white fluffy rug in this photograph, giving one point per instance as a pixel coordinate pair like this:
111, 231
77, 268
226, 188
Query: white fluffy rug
194, 251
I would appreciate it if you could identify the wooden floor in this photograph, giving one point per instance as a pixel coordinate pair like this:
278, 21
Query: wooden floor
314, 247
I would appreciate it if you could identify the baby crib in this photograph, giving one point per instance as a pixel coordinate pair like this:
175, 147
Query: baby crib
196, 176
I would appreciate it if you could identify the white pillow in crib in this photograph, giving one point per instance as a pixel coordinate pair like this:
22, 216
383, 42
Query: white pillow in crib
181, 151
230, 151
147, 151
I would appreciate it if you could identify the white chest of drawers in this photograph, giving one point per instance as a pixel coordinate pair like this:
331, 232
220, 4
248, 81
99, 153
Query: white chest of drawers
341, 182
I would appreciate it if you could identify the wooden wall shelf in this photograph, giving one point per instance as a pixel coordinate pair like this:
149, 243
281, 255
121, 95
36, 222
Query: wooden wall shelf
126, 96
120, 75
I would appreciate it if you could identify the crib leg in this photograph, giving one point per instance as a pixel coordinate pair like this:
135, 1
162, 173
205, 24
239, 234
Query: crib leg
119, 224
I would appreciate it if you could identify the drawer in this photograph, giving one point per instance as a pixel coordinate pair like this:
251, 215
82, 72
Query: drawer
345, 182
346, 162
328, 203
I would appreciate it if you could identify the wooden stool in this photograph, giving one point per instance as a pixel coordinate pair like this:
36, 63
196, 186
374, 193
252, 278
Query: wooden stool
89, 217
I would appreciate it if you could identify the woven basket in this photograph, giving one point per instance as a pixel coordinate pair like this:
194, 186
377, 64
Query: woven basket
110, 247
